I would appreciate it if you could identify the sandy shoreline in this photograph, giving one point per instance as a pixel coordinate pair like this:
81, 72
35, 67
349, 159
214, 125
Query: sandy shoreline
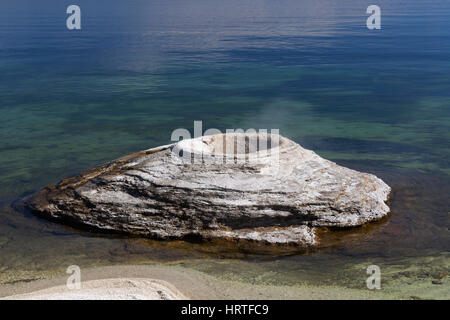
108, 289
171, 282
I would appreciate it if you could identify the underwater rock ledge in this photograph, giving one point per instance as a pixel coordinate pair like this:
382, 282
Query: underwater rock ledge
256, 187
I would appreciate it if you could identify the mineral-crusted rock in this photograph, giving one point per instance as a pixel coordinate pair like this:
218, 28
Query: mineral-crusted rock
257, 187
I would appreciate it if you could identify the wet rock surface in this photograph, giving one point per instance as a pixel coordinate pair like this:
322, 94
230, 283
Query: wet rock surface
255, 187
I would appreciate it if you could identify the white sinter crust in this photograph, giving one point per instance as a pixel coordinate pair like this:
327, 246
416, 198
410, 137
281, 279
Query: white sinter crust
275, 194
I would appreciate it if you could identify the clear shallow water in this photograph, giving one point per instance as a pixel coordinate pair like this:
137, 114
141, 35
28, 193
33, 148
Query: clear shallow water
377, 101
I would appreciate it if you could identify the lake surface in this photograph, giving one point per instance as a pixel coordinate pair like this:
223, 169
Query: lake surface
372, 100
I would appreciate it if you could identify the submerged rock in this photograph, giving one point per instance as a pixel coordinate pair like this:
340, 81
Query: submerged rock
257, 187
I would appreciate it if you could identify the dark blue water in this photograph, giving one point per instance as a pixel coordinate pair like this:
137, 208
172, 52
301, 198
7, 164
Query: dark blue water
375, 100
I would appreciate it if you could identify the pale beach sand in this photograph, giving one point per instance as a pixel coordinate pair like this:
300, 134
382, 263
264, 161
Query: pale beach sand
108, 289
168, 282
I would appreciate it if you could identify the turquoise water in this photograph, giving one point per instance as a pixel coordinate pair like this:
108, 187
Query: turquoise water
373, 100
